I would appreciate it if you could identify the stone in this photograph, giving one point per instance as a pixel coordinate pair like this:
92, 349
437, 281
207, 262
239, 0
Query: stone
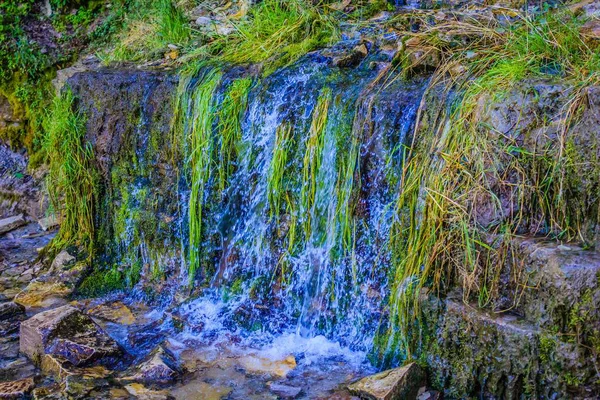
48, 223
63, 260
140, 392
429, 395
351, 58
8, 327
115, 311
393, 384
10, 310
83, 387
285, 391
420, 56
256, 364
12, 223
118, 393
43, 294
160, 367
71, 336
591, 29
17, 369
16, 389
590, 8
204, 21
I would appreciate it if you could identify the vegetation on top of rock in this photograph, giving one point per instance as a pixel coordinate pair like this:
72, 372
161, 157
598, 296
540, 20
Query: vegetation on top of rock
470, 188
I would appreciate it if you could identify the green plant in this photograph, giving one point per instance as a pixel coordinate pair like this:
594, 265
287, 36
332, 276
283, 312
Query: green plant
199, 159
279, 162
312, 159
230, 115
275, 32
173, 25
72, 180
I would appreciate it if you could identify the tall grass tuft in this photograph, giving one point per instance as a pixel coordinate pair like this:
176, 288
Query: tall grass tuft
312, 160
173, 24
281, 154
149, 27
231, 113
201, 148
72, 180
275, 32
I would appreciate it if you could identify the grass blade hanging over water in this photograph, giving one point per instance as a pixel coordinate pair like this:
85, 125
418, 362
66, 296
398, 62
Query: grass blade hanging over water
313, 158
281, 154
199, 160
231, 114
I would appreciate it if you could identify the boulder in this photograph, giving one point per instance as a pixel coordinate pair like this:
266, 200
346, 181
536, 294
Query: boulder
259, 364
114, 311
160, 367
11, 223
43, 294
71, 336
63, 260
48, 223
16, 389
142, 393
393, 384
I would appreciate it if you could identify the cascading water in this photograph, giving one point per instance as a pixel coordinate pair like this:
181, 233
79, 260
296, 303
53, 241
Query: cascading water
275, 198
301, 228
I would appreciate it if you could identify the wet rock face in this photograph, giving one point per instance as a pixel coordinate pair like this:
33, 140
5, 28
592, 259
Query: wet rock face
114, 100
19, 189
129, 116
542, 342
69, 335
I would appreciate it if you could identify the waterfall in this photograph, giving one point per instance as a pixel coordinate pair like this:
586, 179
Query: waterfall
297, 224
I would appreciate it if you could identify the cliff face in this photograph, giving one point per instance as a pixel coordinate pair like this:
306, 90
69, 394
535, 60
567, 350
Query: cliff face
533, 332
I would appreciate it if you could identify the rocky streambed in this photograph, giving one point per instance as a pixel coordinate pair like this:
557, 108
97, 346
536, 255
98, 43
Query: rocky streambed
119, 347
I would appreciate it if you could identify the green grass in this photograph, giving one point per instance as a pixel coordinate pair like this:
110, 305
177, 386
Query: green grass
281, 157
199, 159
457, 163
72, 179
173, 25
148, 28
230, 115
312, 160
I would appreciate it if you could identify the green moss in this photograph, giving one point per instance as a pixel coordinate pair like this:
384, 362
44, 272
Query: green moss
102, 281
548, 345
